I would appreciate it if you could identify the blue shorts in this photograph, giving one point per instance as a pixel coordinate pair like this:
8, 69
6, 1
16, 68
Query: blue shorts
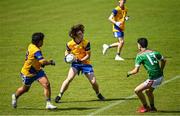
83, 68
29, 80
119, 34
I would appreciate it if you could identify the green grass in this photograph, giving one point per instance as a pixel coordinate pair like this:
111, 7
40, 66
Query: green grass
158, 20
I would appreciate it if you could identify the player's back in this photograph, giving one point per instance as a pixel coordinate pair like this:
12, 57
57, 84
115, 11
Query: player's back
150, 60
31, 64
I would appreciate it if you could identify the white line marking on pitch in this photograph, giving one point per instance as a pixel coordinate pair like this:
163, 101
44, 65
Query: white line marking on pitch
132, 96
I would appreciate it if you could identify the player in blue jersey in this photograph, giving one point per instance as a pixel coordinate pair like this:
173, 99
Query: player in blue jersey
32, 71
154, 63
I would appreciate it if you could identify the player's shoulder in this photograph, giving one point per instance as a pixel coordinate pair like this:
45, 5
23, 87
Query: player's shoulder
117, 8
86, 40
70, 42
33, 48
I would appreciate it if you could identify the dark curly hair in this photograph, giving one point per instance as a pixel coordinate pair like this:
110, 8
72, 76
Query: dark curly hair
75, 29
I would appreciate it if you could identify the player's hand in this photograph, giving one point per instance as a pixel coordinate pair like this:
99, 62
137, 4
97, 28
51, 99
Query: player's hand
78, 61
118, 23
126, 18
128, 74
52, 62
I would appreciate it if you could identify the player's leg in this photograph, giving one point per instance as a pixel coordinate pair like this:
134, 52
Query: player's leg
27, 81
72, 73
92, 79
89, 73
139, 92
47, 91
120, 36
149, 93
106, 46
21, 90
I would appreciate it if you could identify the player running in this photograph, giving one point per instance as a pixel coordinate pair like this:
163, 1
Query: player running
150, 59
117, 18
80, 47
32, 71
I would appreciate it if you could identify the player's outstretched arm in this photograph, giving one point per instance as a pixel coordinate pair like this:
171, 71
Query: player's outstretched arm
162, 64
47, 62
132, 72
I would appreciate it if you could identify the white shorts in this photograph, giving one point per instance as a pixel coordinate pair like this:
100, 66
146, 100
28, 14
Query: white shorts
154, 83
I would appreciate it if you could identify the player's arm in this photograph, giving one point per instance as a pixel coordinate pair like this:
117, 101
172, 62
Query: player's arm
138, 62
114, 12
161, 59
162, 63
88, 53
38, 55
111, 18
134, 71
67, 51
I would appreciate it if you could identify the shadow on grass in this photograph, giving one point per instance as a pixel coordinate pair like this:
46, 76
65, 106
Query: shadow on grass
167, 111
61, 109
107, 99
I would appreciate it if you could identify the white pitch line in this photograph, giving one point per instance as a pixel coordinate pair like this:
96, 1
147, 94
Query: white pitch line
122, 101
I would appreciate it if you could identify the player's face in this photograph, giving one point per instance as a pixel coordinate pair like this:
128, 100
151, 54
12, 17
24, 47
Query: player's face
139, 46
40, 43
121, 3
79, 36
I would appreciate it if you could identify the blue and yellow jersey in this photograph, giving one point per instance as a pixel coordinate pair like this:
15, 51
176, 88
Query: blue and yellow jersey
79, 50
119, 16
33, 61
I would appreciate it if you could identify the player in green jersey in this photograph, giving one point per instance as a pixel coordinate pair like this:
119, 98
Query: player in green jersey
154, 63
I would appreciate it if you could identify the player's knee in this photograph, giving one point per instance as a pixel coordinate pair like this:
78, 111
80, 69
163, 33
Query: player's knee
136, 91
148, 92
122, 42
93, 82
26, 90
47, 85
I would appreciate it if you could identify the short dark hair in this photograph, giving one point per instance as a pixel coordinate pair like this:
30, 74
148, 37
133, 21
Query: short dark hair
75, 29
36, 37
143, 42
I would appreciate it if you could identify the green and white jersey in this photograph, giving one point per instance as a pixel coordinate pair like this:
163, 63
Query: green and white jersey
150, 60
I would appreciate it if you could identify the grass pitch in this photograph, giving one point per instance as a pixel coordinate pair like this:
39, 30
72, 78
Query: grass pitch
158, 20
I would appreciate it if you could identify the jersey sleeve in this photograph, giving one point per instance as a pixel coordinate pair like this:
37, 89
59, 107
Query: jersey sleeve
88, 47
38, 55
158, 56
114, 11
138, 61
67, 47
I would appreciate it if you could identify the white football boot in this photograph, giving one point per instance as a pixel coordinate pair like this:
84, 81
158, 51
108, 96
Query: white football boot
49, 106
119, 58
14, 101
105, 48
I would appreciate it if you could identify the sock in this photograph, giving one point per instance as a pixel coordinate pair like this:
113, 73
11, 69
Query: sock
60, 94
48, 99
118, 54
98, 94
145, 105
152, 105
